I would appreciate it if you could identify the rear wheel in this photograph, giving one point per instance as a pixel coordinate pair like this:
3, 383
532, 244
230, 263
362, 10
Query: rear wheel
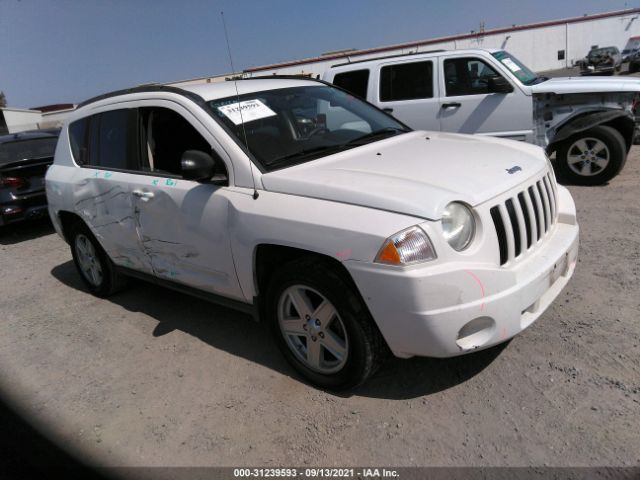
592, 157
93, 264
322, 326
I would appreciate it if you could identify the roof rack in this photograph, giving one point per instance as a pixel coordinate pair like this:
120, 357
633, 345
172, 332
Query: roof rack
388, 56
143, 89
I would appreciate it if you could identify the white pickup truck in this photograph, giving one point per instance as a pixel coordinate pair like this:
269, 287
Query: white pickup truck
349, 233
588, 122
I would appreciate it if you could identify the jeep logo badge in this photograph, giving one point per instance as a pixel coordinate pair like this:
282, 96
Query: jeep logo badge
513, 170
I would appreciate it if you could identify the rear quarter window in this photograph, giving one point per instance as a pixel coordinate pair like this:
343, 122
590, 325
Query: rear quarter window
78, 140
355, 82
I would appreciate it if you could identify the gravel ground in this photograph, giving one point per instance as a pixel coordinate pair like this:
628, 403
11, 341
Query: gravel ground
153, 377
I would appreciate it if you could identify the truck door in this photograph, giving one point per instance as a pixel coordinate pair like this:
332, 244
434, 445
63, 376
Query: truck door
409, 91
468, 106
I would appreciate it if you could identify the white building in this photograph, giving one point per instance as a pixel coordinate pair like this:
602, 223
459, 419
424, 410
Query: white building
541, 46
14, 120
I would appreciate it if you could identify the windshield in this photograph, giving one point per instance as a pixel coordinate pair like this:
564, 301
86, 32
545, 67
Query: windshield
290, 126
516, 67
27, 149
602, 51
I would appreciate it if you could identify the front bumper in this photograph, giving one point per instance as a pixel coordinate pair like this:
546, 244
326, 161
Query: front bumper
455, 309
598, 70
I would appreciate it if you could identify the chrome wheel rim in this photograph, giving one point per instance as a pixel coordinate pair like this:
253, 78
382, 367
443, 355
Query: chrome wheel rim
313, 329
88, 260
588, 156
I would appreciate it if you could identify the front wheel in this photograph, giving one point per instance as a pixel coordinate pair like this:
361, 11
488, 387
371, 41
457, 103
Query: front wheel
322, 326
592, 157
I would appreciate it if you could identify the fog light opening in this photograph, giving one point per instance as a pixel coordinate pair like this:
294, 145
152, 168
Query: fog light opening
476, 333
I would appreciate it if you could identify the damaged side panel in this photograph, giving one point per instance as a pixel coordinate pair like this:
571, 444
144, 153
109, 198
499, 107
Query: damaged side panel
556, 117
104, 202
182, 229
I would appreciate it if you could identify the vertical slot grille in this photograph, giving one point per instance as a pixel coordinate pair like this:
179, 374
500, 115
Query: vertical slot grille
522, 221
502, 235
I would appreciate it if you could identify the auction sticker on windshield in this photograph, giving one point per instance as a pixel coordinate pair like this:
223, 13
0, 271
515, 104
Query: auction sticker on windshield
246, 111
510, 64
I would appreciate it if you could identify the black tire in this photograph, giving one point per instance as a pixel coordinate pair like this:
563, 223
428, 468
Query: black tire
366, 347
110, 281
594, 175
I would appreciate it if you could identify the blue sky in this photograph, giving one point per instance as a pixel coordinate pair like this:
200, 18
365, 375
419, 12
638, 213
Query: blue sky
58, 51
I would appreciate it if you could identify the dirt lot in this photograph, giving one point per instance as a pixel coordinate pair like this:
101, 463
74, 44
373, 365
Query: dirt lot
152, 377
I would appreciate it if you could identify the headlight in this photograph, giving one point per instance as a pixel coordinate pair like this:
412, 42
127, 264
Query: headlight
458, 225
408, 246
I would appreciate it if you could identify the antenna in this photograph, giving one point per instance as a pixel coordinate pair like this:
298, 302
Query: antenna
235, 84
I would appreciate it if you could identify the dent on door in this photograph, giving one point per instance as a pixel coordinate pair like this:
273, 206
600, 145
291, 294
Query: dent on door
106, 207
182, 229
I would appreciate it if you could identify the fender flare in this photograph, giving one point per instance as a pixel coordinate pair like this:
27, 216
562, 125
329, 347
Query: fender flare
590, 120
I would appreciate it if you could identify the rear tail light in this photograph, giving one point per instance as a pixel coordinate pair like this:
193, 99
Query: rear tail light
12, 182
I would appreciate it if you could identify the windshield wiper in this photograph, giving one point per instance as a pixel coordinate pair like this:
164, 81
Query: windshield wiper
301, 154
383, 132
329, 149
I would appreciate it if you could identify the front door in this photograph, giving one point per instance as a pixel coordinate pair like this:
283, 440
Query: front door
466, 106
182, 224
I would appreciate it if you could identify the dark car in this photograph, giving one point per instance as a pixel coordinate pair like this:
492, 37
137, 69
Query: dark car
605, 60
634, 62
24, 159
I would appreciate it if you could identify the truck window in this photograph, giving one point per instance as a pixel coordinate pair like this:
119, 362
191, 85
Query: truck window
467, 76
406, 81
355, 82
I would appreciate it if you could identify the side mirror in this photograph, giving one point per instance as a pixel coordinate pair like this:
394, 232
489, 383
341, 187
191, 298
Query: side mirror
499, 85
198, 165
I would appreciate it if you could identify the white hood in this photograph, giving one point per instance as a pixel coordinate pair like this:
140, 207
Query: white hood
587, 85
417, 173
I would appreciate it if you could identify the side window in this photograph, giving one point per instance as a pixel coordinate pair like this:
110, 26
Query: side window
355, 82
78, 138
166, 135
104, 140
408, 81
112, 148
467, 76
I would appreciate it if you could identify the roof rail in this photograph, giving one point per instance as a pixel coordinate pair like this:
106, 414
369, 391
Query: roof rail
143, 89
282, 77
388, 56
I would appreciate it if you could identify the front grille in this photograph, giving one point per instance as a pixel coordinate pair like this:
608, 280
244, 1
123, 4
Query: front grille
522, 221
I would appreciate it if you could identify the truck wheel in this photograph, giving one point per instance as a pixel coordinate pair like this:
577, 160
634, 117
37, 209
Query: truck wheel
94, 265
592, 157
322, 326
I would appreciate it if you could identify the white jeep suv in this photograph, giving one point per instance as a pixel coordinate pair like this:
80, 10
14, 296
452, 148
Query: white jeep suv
291, 199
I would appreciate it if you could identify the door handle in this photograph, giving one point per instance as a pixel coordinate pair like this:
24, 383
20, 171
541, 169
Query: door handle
388, 110
451, 105
143, 195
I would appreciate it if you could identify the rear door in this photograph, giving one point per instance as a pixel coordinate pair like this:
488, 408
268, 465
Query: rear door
106, 147
466, 106
409, 91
